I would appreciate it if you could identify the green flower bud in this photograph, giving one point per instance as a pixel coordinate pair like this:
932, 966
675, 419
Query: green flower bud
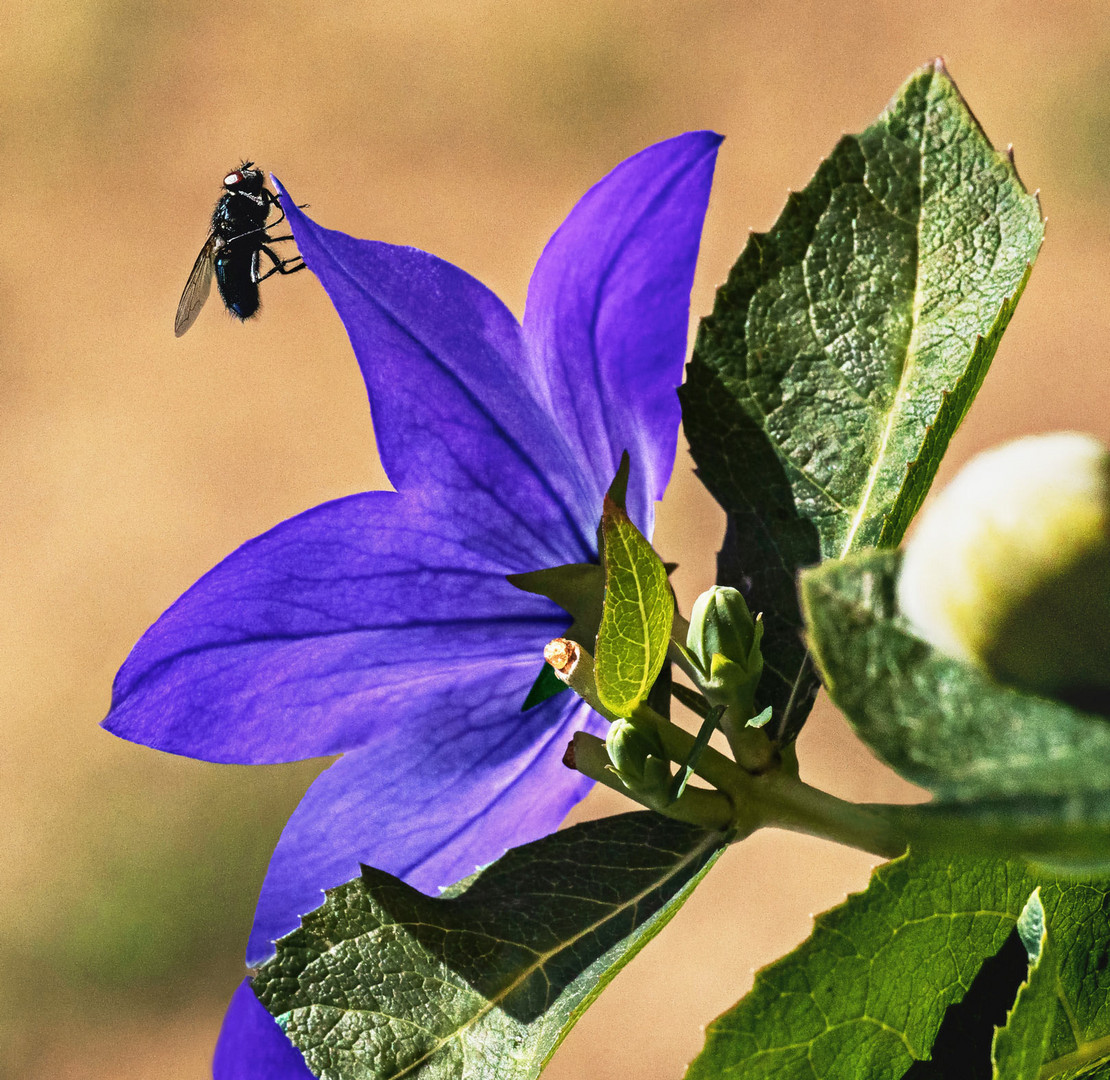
633, 759
724, 639
1010, 567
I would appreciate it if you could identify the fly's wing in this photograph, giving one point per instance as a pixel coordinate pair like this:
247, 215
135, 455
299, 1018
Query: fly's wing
197, 287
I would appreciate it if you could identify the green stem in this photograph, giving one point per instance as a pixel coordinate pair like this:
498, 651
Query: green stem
696, 806
775, 799
785, 802
750, 747
675, 743
778, 799
712, 765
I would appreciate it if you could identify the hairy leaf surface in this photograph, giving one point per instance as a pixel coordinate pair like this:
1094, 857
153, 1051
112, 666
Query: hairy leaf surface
384, 982
845, 348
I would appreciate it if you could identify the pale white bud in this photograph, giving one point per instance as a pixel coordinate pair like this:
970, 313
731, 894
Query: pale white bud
1010, 567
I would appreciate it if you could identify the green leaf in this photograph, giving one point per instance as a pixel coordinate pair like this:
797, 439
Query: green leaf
1069, 833
845, 348
1068, 992
962, 1047
1020, 1046
1059, 1025
578, 588
1011, 772
938, 721
868, 993
705, 732
384, 982
636, 617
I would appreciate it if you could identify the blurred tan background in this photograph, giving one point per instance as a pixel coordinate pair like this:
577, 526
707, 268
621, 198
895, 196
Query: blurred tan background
130, 462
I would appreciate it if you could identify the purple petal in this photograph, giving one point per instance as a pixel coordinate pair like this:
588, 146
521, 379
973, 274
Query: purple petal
370, 613
428, 804
608, 312
442, 359
251, 1046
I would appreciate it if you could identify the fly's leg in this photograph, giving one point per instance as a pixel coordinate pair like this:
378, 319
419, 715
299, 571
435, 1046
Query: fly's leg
275, 200
281, 266
278, 220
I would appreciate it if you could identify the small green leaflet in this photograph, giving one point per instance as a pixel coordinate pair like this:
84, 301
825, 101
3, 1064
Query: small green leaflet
846, 347
383, 982
867, 994
547, 685
709, 724
637, 614
1011, 772
1021, 1045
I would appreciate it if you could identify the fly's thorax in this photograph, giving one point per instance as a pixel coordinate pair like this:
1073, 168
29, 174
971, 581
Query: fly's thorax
232, 252
239, 212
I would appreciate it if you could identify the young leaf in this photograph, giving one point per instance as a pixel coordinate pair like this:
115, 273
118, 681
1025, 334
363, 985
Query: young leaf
845, 349
1063, 1007
867, 994
1011, 772
546, 686
384, 982
636, 617
1021, 1044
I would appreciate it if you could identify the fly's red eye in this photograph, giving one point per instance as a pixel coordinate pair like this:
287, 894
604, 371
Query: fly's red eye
232, 179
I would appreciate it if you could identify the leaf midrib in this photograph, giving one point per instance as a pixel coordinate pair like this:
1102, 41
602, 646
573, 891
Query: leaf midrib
1086, 1053
645, 629
903, 378
911, 347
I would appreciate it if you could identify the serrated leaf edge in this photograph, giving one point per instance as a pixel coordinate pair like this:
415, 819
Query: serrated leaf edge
821, 922
708, 841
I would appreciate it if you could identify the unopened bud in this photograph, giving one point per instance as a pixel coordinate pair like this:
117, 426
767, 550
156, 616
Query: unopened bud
633, 760
1010, 567
724, 638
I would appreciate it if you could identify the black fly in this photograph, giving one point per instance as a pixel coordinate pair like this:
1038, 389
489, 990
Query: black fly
234, 249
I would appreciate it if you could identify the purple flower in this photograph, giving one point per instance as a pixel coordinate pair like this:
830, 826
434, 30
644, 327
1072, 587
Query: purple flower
251, 1046
380, 626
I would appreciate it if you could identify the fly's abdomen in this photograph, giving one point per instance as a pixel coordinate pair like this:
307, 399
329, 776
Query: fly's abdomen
235, 279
